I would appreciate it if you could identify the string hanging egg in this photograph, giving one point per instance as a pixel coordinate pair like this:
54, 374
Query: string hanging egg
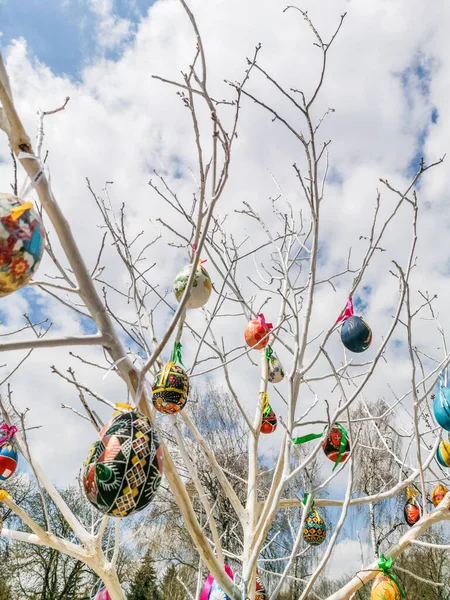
337, 445
412, 510
276, 373
443, 454
441, 404
438, 494
269, 422
171, 386
256, 333
8, 452
384, 588
21, 243
201, 287
356, 335
124, 467
314, 530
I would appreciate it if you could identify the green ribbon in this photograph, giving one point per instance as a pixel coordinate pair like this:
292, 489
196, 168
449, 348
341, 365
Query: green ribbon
269, 352
176, 354
316, 436
305, 500
385, 565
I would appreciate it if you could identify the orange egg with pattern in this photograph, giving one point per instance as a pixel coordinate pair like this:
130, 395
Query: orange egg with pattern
384, 588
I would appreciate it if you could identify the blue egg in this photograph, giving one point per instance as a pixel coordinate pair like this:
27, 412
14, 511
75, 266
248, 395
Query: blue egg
441, 407
356, 335
217, 593
8, 460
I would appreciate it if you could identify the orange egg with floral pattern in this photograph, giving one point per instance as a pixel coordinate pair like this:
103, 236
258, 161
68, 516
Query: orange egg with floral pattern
384, 588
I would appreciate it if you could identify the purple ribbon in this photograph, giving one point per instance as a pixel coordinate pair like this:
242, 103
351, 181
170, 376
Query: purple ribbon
210, 580
10, 432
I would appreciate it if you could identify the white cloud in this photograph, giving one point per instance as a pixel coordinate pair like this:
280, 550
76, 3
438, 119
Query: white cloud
348, 557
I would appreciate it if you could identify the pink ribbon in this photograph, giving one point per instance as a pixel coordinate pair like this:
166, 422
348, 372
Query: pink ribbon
103, 595
194, 248
263, 323
347, 312
210, 580
10, 432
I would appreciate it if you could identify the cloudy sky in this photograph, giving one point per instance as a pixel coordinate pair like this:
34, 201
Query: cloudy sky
387, 81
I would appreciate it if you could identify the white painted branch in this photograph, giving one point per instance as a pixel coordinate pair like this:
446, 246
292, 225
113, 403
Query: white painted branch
47, 342
218, 471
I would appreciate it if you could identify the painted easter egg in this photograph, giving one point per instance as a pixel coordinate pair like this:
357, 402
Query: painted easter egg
384, 588
314, 530
260, 589
443, 454
356, 335
256, 333
170, 389
332, 444
438, 493
269, 422
217, 593
201, 288
8, 460
276, 373
441, 407
21, 243
412, 511
123, 469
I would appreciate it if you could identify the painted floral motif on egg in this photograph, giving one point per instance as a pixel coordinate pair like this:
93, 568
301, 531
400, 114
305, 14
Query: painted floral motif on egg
170, 389
22, 240
384, 588
201, 287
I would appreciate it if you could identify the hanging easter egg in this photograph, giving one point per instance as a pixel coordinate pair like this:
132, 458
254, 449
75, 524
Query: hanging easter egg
443, 454
8, 460
257, 333
217, 593
170, 389
333, 442
21, 243
314, 530
356, 335
438, 493
123, 469
384, 588
412, 511
269, 422
276, 373
260, 589
441, 405
201, 288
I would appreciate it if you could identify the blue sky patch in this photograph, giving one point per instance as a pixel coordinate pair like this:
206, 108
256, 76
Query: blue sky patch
63, 34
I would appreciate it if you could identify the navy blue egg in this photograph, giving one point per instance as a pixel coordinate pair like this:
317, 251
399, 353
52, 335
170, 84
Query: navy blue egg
356, 335
441, 408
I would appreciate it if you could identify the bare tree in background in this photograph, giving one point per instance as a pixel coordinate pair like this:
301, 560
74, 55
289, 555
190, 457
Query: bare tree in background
292, 274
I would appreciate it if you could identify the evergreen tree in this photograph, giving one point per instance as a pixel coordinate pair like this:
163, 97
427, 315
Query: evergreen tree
145, 585
171, 587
